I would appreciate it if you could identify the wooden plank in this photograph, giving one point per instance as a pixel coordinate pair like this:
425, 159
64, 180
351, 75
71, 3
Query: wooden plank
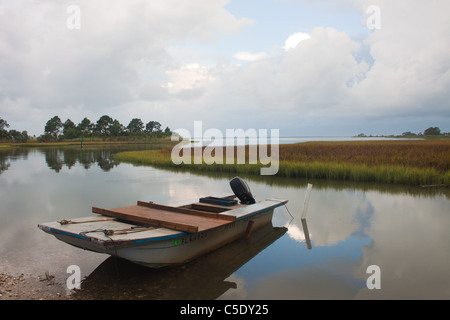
207, 207
221, 210
167, 208
148, 220
206, 214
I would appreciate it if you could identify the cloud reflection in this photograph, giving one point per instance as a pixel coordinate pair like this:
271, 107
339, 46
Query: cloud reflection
332, 217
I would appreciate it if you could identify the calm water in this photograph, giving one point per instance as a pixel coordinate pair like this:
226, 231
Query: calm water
403, 231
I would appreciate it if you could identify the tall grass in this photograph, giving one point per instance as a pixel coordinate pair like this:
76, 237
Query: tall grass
394, 162
416, 153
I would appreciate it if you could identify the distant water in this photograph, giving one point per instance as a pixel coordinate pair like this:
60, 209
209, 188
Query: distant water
281, 140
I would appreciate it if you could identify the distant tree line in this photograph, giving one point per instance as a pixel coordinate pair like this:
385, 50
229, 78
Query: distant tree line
105, 127
11, 135
431, 131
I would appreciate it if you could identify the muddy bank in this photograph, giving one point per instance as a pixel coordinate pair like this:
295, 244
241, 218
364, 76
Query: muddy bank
28, 287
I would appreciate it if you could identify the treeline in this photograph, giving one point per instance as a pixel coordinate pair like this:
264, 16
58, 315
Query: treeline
431, 131
104, 128
11, 135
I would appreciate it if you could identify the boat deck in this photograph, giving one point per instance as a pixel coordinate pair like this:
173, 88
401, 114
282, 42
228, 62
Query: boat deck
197, 217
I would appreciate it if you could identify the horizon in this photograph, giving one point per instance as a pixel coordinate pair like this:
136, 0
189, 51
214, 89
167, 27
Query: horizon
359, 135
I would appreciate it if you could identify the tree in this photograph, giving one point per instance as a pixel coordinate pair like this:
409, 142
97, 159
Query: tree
3, 124
104, 125
167, 132
152, 126
85, 127
432, 131
25, 136
68, 125
17, 136
53, 127
70, 131
3, 132
136, 126
116, 129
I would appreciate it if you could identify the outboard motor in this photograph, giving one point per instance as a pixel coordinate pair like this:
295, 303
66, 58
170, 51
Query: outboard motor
242, 191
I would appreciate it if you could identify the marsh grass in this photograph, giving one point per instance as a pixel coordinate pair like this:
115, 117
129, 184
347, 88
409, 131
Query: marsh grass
394, 162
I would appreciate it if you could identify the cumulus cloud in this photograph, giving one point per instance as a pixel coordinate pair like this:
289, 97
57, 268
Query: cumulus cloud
295, 39
188, 81
310, 78
411, 52
247, 56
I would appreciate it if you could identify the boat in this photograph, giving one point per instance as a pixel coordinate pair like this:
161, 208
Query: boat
157, 235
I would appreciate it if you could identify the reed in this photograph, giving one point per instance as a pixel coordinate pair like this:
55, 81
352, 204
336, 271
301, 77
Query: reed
394, 162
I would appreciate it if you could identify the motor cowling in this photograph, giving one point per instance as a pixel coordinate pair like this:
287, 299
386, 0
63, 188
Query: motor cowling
242, 191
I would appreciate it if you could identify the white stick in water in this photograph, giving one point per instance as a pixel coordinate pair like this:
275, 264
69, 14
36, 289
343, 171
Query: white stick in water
305, 205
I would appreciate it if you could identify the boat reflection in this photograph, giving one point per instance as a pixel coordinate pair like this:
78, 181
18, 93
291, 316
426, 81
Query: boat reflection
203, 278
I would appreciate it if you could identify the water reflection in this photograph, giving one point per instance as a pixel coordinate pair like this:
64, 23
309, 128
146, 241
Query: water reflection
306, 233
59, 157
349, 226
56, 159
351, 230
4, 164
204, 278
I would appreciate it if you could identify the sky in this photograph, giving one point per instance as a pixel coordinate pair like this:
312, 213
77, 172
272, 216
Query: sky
304, 67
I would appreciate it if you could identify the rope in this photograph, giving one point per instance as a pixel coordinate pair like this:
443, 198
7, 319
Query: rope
290, 215
83, 233
115, 248
128, 230
109, 232
64, 222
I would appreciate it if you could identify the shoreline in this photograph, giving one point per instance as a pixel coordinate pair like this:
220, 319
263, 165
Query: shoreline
30, 287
